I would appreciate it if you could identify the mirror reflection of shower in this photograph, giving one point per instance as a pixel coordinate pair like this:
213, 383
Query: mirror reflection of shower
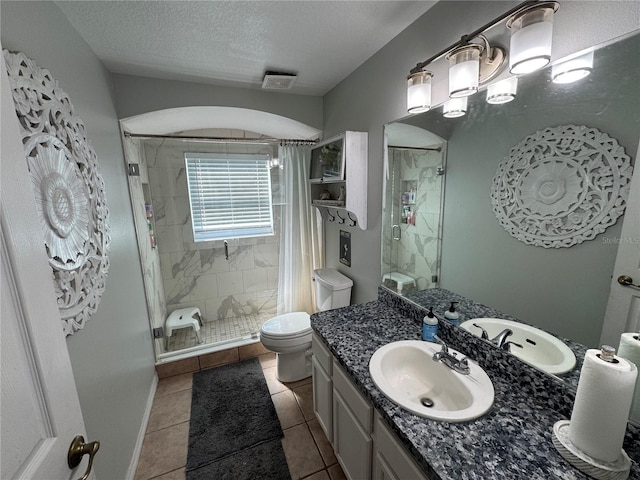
412, 210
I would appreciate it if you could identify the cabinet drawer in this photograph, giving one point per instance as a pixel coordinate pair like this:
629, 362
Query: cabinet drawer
361, 408
322, 354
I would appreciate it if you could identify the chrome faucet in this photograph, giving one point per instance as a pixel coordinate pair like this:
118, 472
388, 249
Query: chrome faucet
501, 340
450, 360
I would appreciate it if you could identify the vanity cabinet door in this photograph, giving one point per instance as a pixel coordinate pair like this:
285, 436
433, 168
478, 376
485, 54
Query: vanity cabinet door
352, 444
322, 398
352, 427
321, 372
390, 461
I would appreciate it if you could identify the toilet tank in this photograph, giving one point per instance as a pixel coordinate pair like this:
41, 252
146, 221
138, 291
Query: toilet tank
333, 289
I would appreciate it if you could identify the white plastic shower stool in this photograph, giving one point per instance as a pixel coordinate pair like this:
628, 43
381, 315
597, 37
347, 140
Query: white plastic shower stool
401, 280
185, 317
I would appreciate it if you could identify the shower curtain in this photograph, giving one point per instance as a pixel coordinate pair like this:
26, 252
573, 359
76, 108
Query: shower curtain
301, 235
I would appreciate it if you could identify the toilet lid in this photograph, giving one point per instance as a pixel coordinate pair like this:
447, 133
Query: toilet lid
288, 324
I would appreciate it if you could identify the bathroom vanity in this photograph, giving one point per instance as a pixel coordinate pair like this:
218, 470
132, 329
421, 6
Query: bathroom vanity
374, 438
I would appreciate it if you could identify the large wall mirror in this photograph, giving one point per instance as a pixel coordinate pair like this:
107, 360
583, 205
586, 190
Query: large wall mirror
439, 227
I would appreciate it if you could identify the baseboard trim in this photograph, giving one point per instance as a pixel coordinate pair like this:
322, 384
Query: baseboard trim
131, 472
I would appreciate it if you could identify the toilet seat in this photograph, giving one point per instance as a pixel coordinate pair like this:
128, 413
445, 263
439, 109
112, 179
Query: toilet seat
289, 325
287, 333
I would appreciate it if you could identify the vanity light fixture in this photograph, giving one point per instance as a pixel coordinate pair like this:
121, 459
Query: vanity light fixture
573, 69
464, 70
503, 91
531, 35
419, 91
455, 107
472, 64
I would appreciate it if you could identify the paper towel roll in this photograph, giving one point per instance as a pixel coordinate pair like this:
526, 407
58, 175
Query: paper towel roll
629, 348
600, 412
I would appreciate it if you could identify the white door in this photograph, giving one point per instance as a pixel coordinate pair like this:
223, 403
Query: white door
623, 308
40, 410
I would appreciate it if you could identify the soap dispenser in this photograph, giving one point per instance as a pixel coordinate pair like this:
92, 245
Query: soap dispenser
429, 326
452, 315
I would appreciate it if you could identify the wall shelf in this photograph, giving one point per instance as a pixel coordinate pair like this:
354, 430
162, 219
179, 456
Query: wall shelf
338, 173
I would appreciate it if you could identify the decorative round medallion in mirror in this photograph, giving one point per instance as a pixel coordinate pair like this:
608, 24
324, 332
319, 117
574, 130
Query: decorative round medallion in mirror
561, 186
68, 189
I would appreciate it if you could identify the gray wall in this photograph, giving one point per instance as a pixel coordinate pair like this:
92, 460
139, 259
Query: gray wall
375, 94
137, 95
112, 357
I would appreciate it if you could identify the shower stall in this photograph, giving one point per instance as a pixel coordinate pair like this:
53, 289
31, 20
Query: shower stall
233, 283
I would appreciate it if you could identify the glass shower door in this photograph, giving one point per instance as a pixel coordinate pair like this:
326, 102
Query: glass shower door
412, 213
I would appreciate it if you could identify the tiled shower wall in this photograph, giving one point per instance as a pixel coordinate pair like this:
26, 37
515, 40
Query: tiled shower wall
417, 253
198, 274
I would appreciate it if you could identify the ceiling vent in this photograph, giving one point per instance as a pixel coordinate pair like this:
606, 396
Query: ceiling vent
278, 80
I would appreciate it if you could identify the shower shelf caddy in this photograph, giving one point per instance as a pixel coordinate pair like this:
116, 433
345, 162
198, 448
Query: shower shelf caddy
338, 178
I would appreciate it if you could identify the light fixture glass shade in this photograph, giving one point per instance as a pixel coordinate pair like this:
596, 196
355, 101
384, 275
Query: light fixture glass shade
464, 70
572, 70
531, 35
419, 92
456, 107
503, 91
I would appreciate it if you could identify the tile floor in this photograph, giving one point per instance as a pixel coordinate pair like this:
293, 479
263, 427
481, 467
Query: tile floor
164, 450
218, 331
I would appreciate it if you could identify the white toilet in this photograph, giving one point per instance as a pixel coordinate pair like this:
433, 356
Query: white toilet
289, 334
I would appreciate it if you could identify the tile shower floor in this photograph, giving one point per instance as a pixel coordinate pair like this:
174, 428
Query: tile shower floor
219, 331
164, 451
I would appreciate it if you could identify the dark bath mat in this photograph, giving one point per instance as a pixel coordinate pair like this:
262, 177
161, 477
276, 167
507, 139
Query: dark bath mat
265, 461
231, 410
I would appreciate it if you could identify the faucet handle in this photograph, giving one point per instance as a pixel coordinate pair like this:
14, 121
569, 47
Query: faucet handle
463, 366
507, 345
485, 335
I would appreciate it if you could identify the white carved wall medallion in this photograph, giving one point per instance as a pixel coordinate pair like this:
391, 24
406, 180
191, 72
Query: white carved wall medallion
68, 189
561, 186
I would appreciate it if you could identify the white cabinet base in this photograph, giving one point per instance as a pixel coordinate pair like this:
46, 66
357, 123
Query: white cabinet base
363, 444
390, 461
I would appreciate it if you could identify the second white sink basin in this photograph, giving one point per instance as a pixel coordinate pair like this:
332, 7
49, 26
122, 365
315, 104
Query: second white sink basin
406, 373
538, 348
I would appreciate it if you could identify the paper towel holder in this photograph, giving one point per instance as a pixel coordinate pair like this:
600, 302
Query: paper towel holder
618, 470
607, 354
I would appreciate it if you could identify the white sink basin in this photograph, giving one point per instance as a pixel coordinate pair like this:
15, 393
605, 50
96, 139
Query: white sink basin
406, 373
539, 348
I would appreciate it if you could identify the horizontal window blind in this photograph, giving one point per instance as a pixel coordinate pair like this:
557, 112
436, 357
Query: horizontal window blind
230, 195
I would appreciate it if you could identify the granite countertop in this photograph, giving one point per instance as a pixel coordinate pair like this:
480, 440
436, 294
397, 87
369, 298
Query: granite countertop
512, 441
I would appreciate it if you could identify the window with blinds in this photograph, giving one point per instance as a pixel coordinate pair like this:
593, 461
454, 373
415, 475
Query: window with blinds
230, 195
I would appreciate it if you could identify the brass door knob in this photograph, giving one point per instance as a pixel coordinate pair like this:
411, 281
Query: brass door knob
79, 449
627, 281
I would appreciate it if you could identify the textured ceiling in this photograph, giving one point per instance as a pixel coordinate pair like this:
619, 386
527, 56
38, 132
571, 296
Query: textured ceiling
235, 42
